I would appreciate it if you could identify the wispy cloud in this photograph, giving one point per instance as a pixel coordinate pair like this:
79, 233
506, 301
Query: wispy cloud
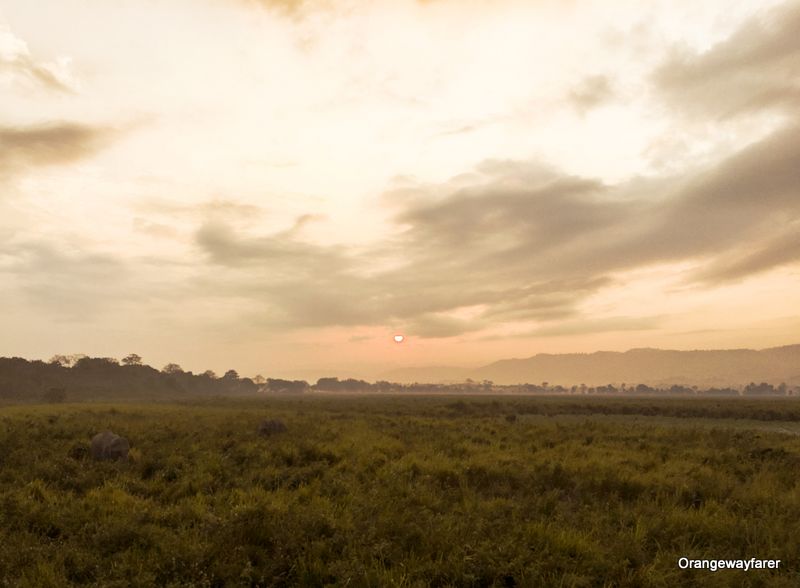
591, 92
586, 326
757, 68
67, 283
17, 61
526, 243
55, 143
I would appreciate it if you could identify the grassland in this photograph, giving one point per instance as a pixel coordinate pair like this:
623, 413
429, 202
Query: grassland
402, 491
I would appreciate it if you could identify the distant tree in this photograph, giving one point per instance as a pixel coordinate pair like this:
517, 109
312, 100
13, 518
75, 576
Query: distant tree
210, 374
246, 386
327, 384
354, 385
75, 358
132, 359
231, 375
173, 384
286, 386
260, 380
753, 389
67, 360
61, 360
385, 386
94, 363
55, 395
172, 368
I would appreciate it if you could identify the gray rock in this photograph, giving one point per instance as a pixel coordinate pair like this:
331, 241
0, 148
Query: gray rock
270, 427
107, 445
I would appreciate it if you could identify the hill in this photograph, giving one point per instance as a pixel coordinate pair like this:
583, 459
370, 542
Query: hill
728, 367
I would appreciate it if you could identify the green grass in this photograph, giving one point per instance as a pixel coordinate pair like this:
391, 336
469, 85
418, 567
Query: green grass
402, 491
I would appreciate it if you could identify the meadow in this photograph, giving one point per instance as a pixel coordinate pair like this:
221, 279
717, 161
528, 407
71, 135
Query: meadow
402, 491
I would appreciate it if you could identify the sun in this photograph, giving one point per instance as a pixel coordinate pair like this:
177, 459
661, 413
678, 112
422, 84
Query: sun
399, 338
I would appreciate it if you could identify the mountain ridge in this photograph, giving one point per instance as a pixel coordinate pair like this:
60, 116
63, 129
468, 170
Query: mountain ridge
642, 365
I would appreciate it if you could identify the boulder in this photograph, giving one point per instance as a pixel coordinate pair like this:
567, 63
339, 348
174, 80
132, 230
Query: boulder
271, 427
107, 445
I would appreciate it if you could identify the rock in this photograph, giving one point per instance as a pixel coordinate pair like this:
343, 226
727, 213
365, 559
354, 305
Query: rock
107, 445
270, 427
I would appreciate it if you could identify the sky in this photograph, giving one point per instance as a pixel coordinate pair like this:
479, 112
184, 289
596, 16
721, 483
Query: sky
281, 186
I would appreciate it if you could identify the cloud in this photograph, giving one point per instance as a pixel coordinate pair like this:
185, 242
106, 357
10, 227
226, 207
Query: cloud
432, 326
775, 252
587, 326
285, 255
55, 143
296, 9
591, 92
67, 282
304, 220
17, 62
154, 229
520, 242
226, 209
757, 68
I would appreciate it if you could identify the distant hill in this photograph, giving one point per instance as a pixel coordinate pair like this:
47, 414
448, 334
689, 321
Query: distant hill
654, 367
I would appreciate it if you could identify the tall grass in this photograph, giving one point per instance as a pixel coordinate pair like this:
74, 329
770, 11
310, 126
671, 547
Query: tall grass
393, 492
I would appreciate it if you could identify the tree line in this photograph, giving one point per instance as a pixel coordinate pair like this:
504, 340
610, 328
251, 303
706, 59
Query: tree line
79, 377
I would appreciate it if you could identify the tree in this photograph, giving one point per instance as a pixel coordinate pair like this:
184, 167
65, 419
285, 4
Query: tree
61, 360
172, 368
94, 363
55, 395
330, 384
67, 360
286, 386
132, 359
210, 374
231, 375
260, 380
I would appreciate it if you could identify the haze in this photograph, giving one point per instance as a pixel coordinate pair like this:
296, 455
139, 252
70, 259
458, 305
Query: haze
281, 187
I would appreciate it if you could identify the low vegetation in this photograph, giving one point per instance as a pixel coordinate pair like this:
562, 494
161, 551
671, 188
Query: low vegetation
401, 491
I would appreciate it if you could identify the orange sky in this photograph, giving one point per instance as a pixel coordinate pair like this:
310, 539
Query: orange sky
279, 187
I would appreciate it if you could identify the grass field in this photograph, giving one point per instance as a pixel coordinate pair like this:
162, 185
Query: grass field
402, 491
